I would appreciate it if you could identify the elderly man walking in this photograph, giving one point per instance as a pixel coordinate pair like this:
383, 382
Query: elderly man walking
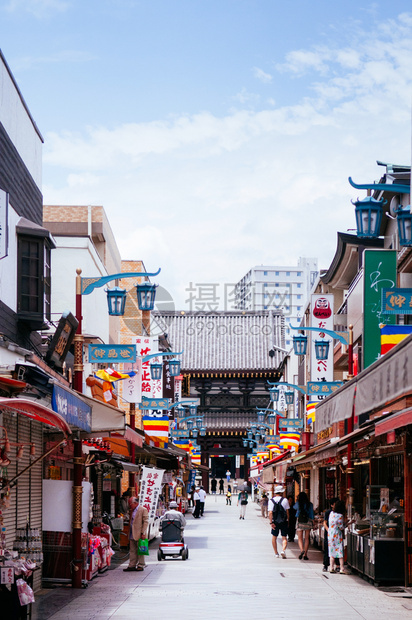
139, 525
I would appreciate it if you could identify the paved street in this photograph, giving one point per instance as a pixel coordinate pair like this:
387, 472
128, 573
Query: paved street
231, 573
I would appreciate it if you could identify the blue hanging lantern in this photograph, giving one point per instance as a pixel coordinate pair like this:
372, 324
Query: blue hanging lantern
368, 214
245, 442
189, 424
289, 397
192, 410
156, 370
404, 219
203, 431
274, 394
251, 444
199, 422
195, 432
116, 300
322, 349
146, 294
249, 435
271, 418
260, 417
174, 367
300, 344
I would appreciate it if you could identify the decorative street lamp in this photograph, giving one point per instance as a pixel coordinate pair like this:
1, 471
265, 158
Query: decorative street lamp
289, 397
300, 344
404, 218
156, 370
146, 294
368, 212
274, 394
322, 349
116, 300
174, 367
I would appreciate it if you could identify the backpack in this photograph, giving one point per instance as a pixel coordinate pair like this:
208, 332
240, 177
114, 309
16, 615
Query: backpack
279, 513
303, 515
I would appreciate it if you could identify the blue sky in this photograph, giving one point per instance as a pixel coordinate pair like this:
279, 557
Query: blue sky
217, 135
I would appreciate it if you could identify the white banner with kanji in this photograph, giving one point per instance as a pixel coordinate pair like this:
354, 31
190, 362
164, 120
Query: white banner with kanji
150, 488
322, 318
145, 345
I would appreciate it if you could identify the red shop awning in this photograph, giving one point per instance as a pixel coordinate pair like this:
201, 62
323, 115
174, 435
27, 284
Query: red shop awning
402, 418
35, 411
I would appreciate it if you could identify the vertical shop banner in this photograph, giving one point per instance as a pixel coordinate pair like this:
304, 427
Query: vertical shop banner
379, 274
4, 231
168, 382
145, 345
321, 313
132, 386
150, 488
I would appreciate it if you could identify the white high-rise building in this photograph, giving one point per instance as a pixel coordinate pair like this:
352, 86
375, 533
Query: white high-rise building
278, 287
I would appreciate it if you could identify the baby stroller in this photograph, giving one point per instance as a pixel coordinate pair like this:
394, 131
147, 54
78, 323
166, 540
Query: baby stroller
172, 543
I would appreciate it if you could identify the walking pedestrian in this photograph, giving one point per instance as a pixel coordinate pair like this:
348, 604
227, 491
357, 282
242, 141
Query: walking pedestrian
264, 502
221, 486
213, 485
139, 525
196, 499
292, 519
326, 560
228, 498
202, 496
335, 537
278, 519
304, 518
243, 501
228, 475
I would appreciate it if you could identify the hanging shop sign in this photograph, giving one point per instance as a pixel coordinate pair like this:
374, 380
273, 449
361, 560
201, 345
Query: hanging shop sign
397, 301
74, 410
379, 274
154, 403
321, 315
150, 488
4, 229
179, 432
120, 353
296, 423
62, 339
132, 386
324, 388
145, 345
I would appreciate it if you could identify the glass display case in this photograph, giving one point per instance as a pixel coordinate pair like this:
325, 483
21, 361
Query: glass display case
386, 525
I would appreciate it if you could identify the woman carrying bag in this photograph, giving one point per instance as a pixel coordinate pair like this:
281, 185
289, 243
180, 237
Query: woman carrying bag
242, 500
304, 523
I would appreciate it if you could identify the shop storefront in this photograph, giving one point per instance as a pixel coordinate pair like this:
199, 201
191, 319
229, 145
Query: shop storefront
25, 424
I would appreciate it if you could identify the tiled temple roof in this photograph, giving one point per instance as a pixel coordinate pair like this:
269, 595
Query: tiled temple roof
224, 341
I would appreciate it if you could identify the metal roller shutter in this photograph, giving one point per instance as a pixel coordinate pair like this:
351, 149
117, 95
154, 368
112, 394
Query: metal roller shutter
26, 497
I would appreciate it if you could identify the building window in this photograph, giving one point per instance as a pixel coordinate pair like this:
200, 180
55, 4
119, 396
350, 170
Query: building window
299, 273
33, 279
299, 286
299, 308
265, 273
276, 273
299, 296
288, 273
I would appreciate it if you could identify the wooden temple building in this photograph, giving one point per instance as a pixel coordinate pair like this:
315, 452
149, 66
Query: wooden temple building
228, 359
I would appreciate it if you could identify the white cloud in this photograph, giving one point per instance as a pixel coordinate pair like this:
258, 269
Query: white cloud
207, 197
38, 8
65, 56
262, 75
